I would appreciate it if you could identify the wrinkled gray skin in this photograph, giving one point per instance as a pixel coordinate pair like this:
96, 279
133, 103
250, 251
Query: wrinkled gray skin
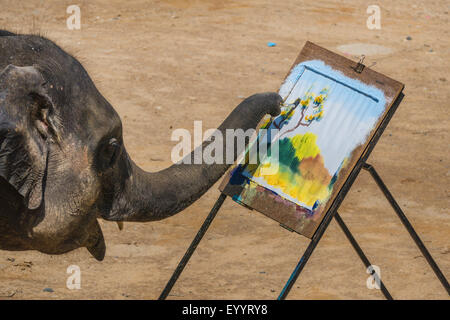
62, 159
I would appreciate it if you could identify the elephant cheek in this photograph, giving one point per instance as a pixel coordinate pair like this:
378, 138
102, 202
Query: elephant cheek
70, 197
59, 234
69, 219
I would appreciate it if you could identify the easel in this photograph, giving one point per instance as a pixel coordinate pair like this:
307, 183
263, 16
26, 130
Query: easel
332, 212
329, 216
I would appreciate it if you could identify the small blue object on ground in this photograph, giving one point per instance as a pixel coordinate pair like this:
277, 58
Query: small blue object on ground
271, 44
48, 290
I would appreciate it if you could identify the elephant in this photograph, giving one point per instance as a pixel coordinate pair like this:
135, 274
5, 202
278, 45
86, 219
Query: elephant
63, 163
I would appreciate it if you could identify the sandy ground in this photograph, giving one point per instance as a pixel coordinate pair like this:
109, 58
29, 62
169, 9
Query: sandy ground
164, 64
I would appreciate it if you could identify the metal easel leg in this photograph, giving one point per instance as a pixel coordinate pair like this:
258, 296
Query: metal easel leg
408, 226
304, 259
361, 254
192, 247
310, 249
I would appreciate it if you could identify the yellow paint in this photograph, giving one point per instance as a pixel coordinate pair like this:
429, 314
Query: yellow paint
305, 145
311, 184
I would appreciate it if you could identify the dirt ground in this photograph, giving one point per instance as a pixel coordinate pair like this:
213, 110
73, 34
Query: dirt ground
164, 64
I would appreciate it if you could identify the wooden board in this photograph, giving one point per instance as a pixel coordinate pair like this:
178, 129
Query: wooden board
330, 114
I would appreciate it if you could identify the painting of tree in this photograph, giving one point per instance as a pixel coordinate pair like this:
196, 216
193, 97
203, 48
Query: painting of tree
322, 121
310, 102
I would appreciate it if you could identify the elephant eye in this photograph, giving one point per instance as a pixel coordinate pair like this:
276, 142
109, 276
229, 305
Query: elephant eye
110, 153
107, 153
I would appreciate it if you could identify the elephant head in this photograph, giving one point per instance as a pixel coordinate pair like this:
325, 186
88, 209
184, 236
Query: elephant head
63, 163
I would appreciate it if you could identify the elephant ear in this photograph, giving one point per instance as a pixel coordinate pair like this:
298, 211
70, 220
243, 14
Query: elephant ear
26, 129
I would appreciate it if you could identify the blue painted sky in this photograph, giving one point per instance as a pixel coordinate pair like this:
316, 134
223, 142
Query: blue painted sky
350, 112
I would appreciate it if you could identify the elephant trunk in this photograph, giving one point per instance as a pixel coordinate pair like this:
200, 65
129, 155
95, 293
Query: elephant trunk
154, 196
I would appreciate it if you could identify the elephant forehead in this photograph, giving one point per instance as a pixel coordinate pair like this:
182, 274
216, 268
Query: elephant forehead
93, 124
78, 103
97, 111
